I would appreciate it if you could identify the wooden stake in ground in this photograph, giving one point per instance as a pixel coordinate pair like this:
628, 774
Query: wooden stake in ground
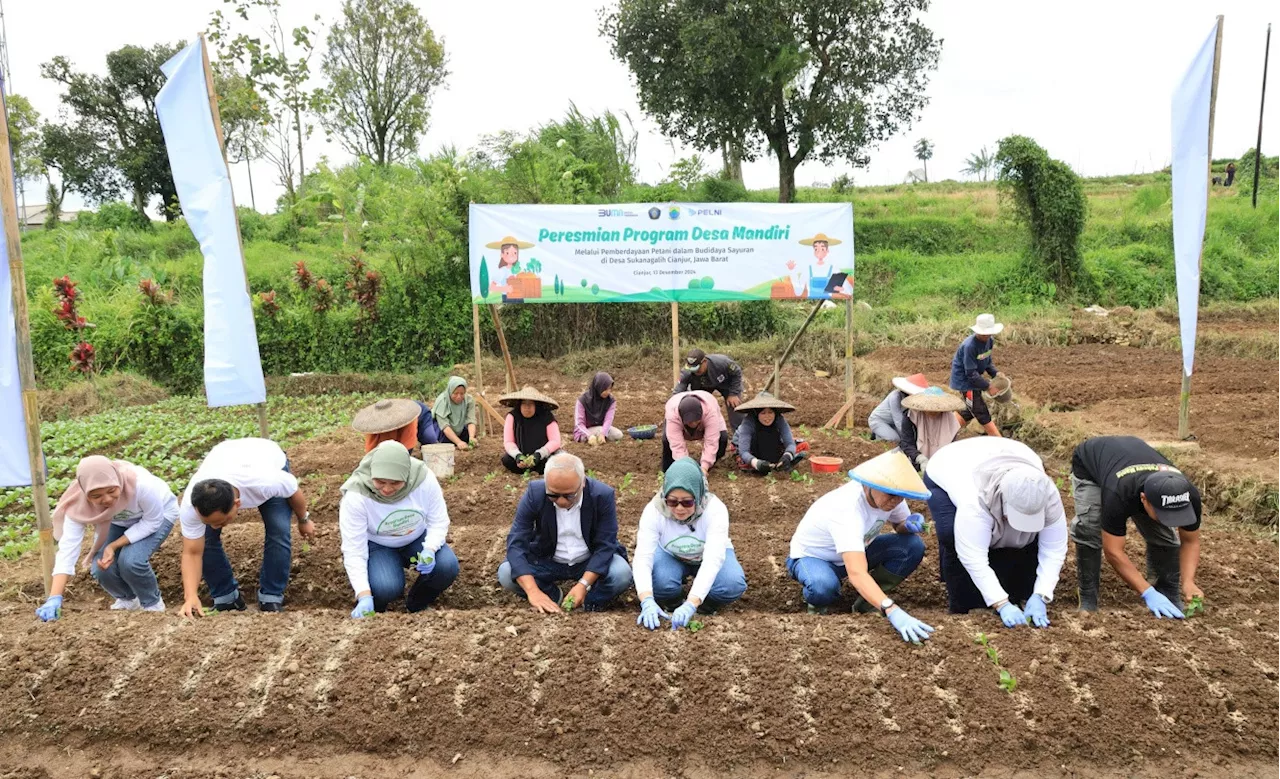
26, 366
1262, 103
675, 343
502, 342
475, 345
1184, 401
848, 360
817, 306
493, 412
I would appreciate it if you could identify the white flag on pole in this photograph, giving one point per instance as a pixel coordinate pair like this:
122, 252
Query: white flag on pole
15, 467
232, 369
1191, 187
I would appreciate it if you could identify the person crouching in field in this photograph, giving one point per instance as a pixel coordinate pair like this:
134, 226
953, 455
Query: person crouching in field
455, 413
1002, 533
930, 424
840, 536
887, 420
764, 440
684, 531
693, 416
972, 359
593, 412
530, 433
393, 516
408, 421
1118, 477
131, 513
243, 473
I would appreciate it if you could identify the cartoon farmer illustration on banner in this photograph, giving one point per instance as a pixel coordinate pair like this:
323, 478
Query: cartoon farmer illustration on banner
505, 278
824, 281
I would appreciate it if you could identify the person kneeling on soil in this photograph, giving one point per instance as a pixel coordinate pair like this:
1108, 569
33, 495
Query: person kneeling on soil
408, 421
840, 536
887, 419
131, 512
693, 416
764, 440
393, 516
930, 424
1002, 532
684, 531
455, 414
566, 529
530, 433
243, 473
593, 412
972, 359
1114, 478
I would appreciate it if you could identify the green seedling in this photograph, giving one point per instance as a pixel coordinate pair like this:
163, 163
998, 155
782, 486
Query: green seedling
993, 655
1007, 681
1195, 607
209, 611
306, 547
732, 476
980, 639
567, 604
526, 461
526, 476
422, 557
768, 477
490, 476
626, 482
695, 626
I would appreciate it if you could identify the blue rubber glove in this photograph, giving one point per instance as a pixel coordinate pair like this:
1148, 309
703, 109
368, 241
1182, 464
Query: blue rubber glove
681, 616
1035, 612
51, 610
914, 524
428, 566
911, 629
650, 615
364, 607
1011, 615
1160, 605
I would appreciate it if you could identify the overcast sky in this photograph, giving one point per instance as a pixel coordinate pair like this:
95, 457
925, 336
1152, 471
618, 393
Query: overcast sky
1090, 81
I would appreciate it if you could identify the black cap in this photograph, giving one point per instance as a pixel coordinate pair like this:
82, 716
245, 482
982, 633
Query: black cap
1169, 493
694, 358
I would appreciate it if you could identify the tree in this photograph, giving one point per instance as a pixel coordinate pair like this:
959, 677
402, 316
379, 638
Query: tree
245, 119
112, 138
924, 153
24, 142
821, 79
383, 63
979, 163
686, 172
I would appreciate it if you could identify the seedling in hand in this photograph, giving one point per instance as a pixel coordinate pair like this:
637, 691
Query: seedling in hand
1007, 681
1195, 607
695, 626
567, 604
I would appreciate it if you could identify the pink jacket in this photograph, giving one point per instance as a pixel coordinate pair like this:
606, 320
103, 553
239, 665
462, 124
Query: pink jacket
580, 421
712, 426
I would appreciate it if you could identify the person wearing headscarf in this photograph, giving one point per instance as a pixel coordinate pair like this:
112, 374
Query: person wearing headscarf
410, 422
131, 513
594, 410
886, 420
929, 424
840, 537
1002, 532
693, 416
455, 414
393, 516
530, 433
684, 532
764, 440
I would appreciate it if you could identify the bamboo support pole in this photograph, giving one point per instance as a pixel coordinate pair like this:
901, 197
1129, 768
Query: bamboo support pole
475, 346
786, 353
675, 343
502, 342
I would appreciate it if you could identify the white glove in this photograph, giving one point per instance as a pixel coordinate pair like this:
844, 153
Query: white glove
922, 461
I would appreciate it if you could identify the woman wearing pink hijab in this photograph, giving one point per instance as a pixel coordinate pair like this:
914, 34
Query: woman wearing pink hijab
131, 513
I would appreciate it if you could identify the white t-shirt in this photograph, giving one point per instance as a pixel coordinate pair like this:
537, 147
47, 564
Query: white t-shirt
571, 547
255, 466
955, 469
153, 503
703, 543
394, 525
842, 521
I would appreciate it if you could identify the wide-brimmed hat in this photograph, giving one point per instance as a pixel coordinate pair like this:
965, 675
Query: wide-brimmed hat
820, 237
526, 393
893, 473
933, 399
765, 400
508, 240
986, 324
911, 385
385, 416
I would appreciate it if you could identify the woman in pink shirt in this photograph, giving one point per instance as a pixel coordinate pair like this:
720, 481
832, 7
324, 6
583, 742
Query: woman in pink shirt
593, 412
530, 433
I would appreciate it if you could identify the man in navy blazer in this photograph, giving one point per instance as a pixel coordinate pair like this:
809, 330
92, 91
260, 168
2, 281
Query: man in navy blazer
566, 529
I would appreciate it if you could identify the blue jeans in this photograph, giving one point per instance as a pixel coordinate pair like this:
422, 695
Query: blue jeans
820, 580
277, 556
130, 576
387, 567
669, 574
547, 573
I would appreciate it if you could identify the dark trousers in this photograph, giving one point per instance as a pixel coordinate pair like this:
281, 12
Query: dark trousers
510, 464
1015, 568
975, 407
667, 458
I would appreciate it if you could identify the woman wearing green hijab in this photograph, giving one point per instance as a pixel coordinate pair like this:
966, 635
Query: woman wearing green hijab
455, 412
684, 531
392, 516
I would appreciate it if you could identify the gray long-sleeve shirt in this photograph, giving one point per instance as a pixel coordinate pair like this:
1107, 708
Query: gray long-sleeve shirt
723, 375
887, 418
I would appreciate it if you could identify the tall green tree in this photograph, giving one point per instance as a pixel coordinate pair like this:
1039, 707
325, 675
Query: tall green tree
806, 79
383, 64
980, 164
924, 153
245, 119
109, 138
24, 141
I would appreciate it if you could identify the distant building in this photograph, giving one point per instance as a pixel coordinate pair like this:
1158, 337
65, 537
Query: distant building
37, 215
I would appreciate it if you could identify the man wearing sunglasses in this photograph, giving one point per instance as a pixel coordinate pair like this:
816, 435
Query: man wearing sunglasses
566, 530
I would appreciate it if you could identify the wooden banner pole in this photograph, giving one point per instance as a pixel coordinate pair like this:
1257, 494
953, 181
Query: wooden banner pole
1262, 104
675, 343
26, 365
786, 353
848, 361
502, 342
475, 346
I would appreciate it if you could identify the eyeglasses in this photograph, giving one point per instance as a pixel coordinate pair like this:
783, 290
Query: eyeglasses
687, 503
554, 496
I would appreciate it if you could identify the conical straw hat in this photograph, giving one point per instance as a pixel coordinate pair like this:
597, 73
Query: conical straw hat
891, 472
765, 400
933, 399
507, 240
526, 393
385, 416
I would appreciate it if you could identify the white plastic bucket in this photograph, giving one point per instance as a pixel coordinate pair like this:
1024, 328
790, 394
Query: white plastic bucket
439, 458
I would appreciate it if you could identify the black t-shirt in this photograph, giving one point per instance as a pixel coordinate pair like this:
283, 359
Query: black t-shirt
1120, 465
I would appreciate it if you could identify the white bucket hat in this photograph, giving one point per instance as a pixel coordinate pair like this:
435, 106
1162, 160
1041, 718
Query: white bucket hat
986, 325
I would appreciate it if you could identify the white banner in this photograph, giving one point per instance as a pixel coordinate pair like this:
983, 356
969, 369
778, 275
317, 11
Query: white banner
659, 252
15, 467
232, 369
1191, 187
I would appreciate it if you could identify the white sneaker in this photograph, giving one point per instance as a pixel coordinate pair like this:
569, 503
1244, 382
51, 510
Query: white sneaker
126, 605
157, 606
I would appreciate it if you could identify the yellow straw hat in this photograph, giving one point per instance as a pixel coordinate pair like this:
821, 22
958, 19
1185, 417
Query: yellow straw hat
508, 240
891, 472
820, 237
385, 416
526, 393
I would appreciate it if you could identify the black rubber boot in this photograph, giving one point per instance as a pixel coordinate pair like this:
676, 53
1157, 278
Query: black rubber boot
1088, 571
1164, 571
887, 581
